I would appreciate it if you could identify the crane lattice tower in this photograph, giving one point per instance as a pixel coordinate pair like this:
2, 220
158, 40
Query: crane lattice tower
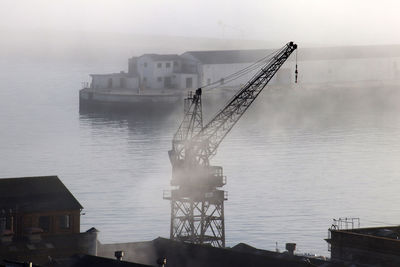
197, 198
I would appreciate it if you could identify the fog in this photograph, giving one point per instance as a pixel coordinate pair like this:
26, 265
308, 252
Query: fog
301, 152
100, 28
309, 22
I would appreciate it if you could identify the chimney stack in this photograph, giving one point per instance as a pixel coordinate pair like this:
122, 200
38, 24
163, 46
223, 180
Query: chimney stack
119, 254
162, 262
291, 247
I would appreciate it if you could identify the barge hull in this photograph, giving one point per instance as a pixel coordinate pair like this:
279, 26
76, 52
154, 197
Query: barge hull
99, 101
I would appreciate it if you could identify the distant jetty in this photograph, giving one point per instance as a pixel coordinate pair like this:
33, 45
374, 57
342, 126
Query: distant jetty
161, 81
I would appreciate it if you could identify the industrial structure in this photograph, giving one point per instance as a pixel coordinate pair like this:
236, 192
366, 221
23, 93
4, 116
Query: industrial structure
197, 198
371, 246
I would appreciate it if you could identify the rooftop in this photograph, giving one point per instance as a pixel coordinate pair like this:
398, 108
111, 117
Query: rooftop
88, 261
229, 56
304, 54
36, 194
56, 246
158, 57
116, 75
187, 254
375, 246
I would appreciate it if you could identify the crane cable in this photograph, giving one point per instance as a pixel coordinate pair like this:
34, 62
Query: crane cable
241, 72
235, 75
238, 74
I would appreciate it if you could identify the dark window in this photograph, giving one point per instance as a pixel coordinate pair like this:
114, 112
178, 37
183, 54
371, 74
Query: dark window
167, 65
123, 82
65, 221
208, 81
189, 83
175, 63
9, 222
44, 223
159, 65
3, 222
145, 64
167, 82
144, 79
110, 82
159, 79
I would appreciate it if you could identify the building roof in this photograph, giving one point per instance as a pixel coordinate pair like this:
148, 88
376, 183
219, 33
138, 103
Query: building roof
229, 56
13, 263
116, 75
56, 247
187, 254
95, 261
304, 54
158, 57
372, 246
36, 194
348, 52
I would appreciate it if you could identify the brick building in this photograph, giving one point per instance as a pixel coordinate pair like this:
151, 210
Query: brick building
40, 220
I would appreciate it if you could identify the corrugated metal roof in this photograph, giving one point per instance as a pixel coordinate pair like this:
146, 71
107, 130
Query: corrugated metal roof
304, 54
229, 56
36, 194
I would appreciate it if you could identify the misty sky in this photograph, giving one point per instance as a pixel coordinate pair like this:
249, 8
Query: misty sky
307, 21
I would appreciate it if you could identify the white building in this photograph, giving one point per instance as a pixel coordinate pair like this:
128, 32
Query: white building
349, 64
315, 65
164, 72
194, 69
217, 66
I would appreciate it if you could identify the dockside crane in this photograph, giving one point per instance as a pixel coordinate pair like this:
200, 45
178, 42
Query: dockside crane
197, 198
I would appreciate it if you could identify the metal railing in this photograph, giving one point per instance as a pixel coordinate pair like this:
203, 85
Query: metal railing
345, 223
85, 85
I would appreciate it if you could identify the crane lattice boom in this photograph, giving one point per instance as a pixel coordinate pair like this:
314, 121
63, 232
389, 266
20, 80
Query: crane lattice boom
214, 132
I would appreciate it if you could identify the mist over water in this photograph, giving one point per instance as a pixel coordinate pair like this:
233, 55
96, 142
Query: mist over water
298, 158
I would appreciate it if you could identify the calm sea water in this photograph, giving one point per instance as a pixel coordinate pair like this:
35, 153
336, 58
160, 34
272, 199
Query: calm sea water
296, 160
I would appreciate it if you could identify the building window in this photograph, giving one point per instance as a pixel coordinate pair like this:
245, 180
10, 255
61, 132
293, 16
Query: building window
110, 83
175, 64
144, 79
44, 223
189, 83
122, 82
65, 221
159, 79
159, 65
167, 82
3, 222
145, 64
167, 65
208, 81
